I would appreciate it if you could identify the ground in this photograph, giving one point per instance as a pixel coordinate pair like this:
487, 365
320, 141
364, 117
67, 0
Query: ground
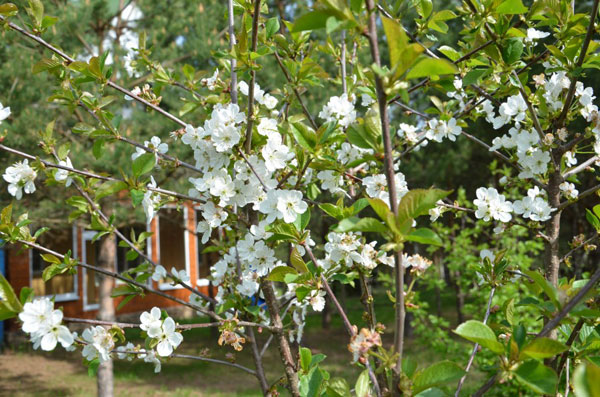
24, 372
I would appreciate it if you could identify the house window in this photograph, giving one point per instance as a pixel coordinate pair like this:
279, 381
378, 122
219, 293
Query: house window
203, 258
91, 279
62, 286
172, 239
122, 263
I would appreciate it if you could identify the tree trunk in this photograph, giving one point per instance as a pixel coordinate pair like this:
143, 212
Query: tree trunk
551, 254
106, 312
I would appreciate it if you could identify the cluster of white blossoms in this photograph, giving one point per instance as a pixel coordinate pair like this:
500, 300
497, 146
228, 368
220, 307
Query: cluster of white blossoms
569, 190
154, 144
160, 273
437, 130
339, 109
211, 82
533, 206
164, 332
99, 343
492, 205
20, 177
275, 153
377, 187
130, 352
416, 263
460, 95
43, 323
150, 201
268, 100
348, 249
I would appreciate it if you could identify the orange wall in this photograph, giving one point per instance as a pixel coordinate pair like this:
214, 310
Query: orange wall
18, 272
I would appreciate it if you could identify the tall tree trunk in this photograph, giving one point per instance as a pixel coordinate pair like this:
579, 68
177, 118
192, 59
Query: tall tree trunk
551, 254
106, 312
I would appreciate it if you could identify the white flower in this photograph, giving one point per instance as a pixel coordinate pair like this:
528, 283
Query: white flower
570, 159
61, 174
248, 287
38, 316
211, 82
317, 300
367, 100
440, 129
4, 113
154, 144
490, 204
150, 357
376, 186
168, 338
339, 109
57, 333
122, 351
99, 343
569, 190
533, 35
159, 273
290, 204
20, 177
151, 320
330, 180
408, 132
533, 206
193, 136
181, 274
416, 262
150, 201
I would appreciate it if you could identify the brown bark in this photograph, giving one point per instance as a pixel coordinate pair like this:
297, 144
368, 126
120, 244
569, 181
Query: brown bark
289, 364
106, 312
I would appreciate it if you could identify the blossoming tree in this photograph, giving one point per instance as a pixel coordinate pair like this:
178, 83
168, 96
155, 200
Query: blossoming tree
263, 165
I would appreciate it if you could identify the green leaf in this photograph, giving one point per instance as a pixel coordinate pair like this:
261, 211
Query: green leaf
354, 224
592, 219
36, 11
311, 21
409, 366
272, 27
511, 7
338, 387
53, 270
143, 164
437, 21
585, 380
541, 348
428, 67
9, 298
380, 207
437, 374
50, 258
512, 50
545, 286
8, 9
305, 136
278, 273
305, 358
109, 188
537, 377
417, 202
424, 8
478, 332
25, 295
332, 24
425, 236
45, 64
298, 262
332, 210
362, 384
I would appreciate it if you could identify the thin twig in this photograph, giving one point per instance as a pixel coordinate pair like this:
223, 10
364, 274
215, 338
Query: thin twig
476, 346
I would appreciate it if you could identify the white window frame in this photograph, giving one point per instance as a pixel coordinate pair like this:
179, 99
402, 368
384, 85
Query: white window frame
200, 282
86, 235
186, 247
71, 296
